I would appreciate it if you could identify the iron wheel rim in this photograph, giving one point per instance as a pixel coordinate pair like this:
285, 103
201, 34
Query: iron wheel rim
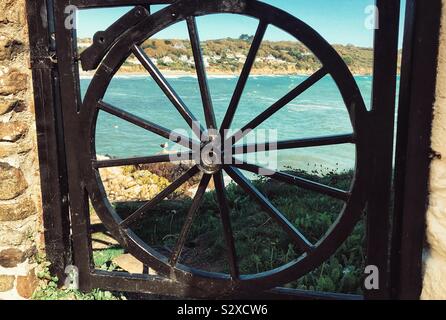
214, 283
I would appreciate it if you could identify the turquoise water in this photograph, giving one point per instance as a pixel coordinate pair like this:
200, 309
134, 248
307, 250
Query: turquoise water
319, 111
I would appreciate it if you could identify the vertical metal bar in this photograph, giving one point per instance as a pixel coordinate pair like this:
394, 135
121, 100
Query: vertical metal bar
49, 137
417, 96
70, 103
382, 122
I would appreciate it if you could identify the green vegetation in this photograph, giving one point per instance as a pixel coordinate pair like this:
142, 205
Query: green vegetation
228, 56
48, 288
103, 258
261, 245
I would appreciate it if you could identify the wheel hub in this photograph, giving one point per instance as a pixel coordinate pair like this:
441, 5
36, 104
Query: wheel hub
210, 156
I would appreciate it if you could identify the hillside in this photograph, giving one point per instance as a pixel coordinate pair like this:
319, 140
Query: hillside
227, 56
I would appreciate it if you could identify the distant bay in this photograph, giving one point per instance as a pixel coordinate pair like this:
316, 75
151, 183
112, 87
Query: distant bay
319, 111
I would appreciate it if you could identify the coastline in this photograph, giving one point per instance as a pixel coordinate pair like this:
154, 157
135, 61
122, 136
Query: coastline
168, 73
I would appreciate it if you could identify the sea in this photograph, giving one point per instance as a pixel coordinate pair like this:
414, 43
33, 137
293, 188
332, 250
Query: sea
319, 111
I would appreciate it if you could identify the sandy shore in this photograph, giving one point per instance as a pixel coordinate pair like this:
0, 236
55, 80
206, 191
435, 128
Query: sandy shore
211, 73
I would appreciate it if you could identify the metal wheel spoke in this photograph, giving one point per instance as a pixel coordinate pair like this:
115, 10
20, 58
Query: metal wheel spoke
167, 89
150, 126
226, 222
138, 214
290, 96
298, 181
198, 199
294, 144
201, 73
297, 237
142, 160
250, 59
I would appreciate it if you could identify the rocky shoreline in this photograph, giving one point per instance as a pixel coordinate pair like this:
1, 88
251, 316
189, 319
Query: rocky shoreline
214, 73
144, 182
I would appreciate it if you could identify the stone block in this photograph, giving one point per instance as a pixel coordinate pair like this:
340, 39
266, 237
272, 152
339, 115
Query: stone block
10, 258
6, 283
26, 285
9, 48
10, 237
12, 12
8, 149
12, 82
13, 182
7, 105
434, 281
17, 210
12, 131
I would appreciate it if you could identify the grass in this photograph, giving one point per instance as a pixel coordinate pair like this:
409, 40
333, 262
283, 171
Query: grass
260, 244
103, 258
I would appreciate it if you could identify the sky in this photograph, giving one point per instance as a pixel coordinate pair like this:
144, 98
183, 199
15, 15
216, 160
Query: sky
338, 21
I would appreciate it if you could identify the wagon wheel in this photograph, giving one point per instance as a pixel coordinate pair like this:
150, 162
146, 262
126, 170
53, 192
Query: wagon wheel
213, 283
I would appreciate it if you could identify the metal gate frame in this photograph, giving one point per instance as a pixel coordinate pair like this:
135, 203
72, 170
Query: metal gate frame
56, 84
414, 153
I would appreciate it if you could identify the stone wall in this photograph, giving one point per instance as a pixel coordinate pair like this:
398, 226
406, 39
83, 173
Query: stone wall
435, 263
20, 204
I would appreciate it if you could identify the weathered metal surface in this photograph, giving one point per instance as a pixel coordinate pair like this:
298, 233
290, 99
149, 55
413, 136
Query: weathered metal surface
314, 254
53, 171
382, 117
417, 96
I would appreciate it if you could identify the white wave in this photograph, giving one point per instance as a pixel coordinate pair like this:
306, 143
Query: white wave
298, 107
180, 76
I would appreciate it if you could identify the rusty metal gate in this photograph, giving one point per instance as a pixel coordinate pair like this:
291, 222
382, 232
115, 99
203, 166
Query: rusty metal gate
69, 164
